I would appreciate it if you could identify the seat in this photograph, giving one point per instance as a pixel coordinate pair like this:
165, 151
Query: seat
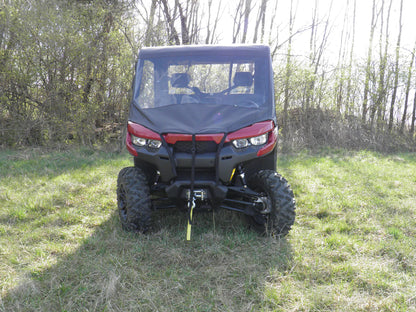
180, 80
243, 79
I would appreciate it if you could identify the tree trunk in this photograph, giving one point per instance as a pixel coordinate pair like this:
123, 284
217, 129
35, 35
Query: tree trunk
184, 25
396, 71
149, 29
260, 20
274, 43
237, 20
348, 109
288, 75
412, 126
383, 75
173, 34
247, 12
368, 65
407, 92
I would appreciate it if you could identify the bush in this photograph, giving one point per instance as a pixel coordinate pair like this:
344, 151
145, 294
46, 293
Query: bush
315, 128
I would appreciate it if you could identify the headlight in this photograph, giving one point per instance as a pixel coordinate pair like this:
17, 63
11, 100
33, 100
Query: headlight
154, 143
241, 143
143, 142
258, 140
138, 141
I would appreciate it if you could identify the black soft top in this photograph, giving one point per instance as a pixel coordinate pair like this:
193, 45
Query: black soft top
203, 117
195, 50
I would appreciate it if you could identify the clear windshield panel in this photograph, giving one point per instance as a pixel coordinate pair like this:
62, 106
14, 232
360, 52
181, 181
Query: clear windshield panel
228, 81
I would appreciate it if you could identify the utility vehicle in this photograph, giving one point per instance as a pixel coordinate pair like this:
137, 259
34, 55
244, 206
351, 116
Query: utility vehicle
202, 130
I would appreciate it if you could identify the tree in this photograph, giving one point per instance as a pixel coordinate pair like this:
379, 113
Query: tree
379, 106
288, 71
368, 65
261, 19
349, 101
211, 32
408, 84
61, 81
237, 20
316, 52
412, 126
170, 23
396, 70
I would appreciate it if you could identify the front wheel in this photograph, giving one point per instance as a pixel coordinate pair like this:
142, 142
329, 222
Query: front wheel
278, 214
133, 198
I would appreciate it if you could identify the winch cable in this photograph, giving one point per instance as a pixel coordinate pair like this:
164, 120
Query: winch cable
191, 210
191, 200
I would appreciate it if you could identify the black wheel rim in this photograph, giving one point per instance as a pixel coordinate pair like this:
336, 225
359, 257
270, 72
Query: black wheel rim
264, 220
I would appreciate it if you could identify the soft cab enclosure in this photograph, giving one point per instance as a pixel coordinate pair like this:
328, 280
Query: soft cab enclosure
202, 89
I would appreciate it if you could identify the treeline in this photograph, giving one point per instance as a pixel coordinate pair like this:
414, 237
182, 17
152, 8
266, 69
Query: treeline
65, 71
66, 66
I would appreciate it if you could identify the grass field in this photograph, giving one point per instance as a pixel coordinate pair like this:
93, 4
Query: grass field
352, 248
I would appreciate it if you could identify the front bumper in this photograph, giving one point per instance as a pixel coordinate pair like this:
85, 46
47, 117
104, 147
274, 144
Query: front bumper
205, 163
215, 158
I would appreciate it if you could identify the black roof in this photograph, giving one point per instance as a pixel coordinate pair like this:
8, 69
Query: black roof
183, 50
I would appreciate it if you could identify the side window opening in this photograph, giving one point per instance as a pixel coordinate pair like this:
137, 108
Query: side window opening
147, 86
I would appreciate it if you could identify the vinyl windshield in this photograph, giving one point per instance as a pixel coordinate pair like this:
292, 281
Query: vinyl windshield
239, 81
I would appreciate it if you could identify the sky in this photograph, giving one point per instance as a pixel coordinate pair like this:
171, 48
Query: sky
338, 21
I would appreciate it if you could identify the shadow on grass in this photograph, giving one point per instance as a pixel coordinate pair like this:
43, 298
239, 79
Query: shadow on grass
224, 268
40, 162
47, 189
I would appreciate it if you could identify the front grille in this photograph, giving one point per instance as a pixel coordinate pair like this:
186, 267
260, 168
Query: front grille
201, 147
200, 173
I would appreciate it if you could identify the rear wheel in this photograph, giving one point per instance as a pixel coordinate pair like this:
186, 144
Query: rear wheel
133, 198
278, 202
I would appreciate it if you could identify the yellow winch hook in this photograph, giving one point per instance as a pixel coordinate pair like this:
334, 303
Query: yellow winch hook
189, 228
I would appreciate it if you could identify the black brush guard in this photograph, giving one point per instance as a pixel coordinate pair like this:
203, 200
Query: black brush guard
235, 198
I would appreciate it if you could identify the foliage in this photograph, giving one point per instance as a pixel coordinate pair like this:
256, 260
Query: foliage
316, 128
64, 71
66, 66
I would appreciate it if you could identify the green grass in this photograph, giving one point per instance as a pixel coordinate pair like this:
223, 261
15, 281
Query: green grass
352, 247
